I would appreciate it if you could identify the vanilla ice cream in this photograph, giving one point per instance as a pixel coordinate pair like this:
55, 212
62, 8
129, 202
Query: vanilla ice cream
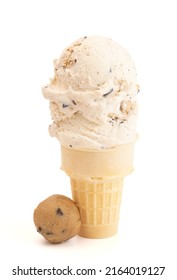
93, 95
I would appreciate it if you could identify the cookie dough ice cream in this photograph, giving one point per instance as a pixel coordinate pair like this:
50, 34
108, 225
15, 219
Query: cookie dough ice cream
93, 106
93, 95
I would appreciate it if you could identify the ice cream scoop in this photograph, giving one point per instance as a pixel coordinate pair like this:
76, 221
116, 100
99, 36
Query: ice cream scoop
93, 95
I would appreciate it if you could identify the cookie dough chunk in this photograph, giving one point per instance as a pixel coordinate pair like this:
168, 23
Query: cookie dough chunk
57, 218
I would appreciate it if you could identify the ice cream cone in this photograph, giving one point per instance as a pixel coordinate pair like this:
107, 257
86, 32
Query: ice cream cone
96, 183
99, 204
93, 106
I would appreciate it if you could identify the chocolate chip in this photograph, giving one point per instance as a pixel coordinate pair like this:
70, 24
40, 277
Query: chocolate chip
64, 105
74, 102
107, 93
70, 146
39, 229
59, 212
49, 233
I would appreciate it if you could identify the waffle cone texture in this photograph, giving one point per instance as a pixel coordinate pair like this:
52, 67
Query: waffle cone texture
96, 183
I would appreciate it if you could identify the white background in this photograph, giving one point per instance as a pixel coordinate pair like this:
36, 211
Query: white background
32, 34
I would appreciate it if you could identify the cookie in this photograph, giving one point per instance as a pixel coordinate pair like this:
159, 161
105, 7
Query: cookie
57, 218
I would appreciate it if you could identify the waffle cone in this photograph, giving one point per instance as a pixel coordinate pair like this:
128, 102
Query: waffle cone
96, 184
